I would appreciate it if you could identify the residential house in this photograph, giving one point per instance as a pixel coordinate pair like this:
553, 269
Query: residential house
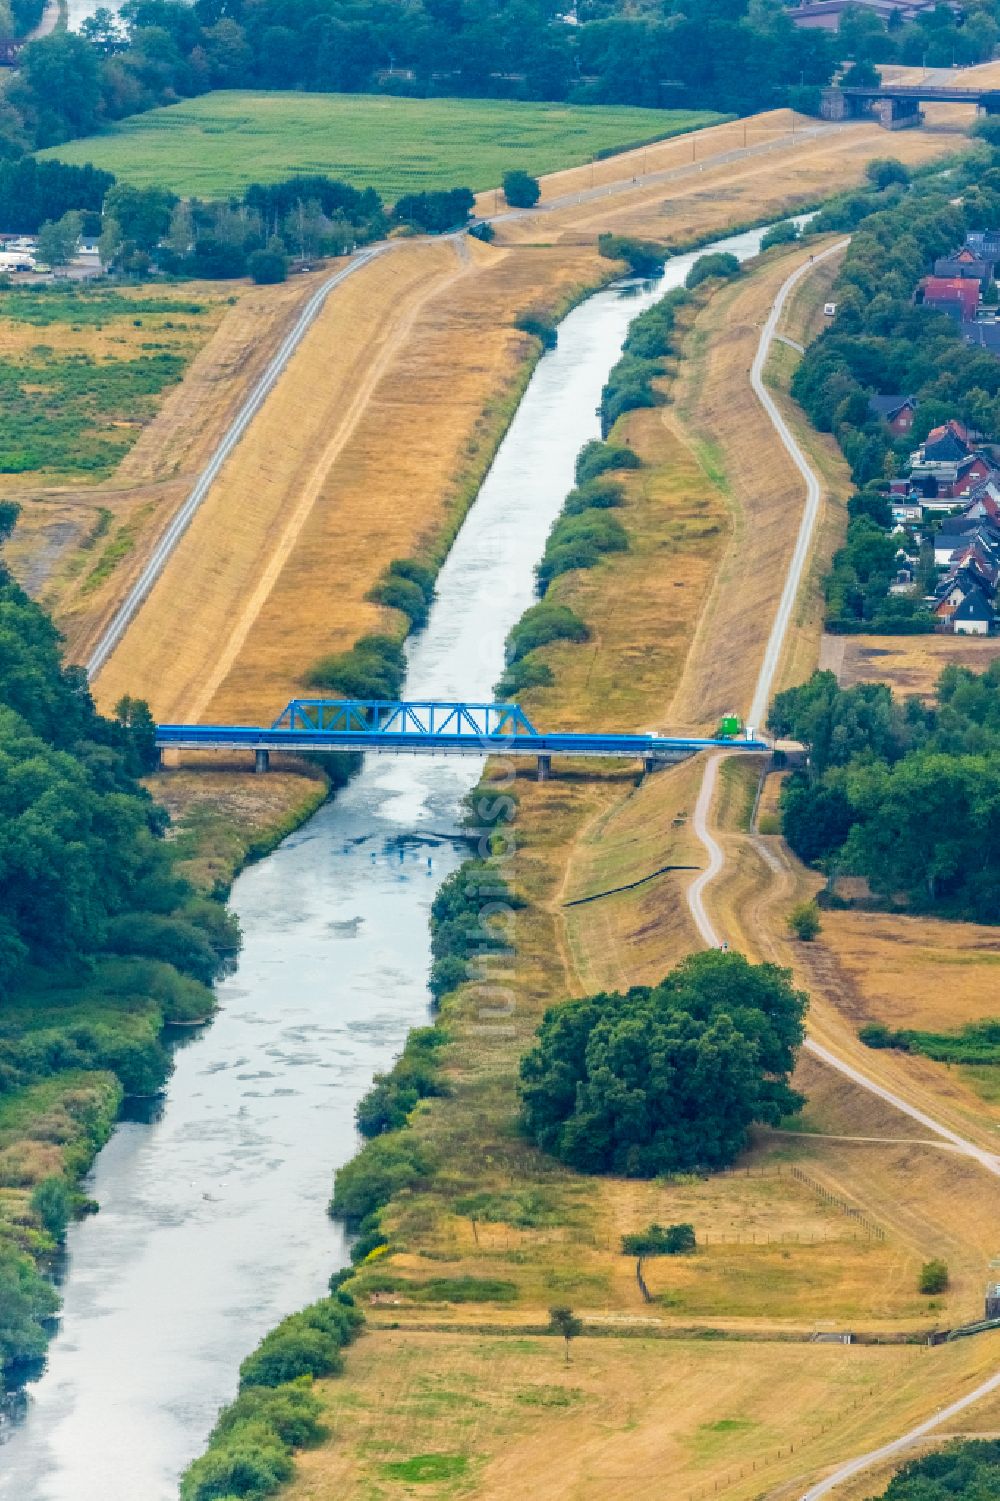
961, 532
955, 295
975, 616
985, 243
983, 332
964, 264
826, 15
897, 412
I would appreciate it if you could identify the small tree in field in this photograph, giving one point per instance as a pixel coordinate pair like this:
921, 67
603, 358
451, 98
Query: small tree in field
564, 1322
520, 189
804, 921
933, 1276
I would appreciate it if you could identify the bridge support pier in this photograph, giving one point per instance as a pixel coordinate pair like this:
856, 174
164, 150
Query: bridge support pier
650, 764
261, 761
544, 768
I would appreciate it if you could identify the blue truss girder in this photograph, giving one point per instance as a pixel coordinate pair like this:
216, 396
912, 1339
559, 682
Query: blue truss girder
429, 717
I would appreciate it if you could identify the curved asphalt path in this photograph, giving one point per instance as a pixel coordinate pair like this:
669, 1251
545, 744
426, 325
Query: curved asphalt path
716, 857
127, 610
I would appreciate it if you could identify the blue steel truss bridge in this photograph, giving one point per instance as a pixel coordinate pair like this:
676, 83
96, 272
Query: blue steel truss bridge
435, 728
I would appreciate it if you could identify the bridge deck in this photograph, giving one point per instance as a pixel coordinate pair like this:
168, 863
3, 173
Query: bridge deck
429, 728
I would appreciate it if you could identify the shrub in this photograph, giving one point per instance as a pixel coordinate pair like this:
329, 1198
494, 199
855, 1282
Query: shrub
289, 1351
290, 1411
668, 1078
521, 676
172, 939
384, 1167
643, 257
885, 171
520, 189
674, 1240
933, 1277
596, 494
597, 458
52, 1204
718, 265
392, 1096
267, 267
437, 211
539, 328
408, 586
804, 921
578, 542
249, 1466
373, 668
542, 624
785, 233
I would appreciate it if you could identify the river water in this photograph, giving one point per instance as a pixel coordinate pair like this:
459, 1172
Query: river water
213, 1220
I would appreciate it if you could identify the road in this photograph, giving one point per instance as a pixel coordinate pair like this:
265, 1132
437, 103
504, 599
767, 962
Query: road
124, 615
716, 855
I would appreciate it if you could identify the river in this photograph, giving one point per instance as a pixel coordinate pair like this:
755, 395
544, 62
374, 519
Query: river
213, 1220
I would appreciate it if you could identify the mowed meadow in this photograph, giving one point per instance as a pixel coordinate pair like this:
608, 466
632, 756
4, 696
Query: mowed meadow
217, 144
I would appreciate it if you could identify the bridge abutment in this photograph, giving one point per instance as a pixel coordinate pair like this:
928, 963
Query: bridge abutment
262, 761
544, 768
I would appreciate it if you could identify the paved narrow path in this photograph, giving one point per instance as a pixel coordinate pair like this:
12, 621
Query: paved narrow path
716, 855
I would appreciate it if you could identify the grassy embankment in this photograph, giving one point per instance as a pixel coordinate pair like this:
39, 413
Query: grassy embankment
495, 1211
219, 143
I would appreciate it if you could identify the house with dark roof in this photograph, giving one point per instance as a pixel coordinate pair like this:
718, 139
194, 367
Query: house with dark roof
984, 333
897, 412
975, 616
964, 263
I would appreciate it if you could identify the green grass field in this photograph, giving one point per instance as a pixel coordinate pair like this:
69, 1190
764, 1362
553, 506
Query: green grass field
219, 143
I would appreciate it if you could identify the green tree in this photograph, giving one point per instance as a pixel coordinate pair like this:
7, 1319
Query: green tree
933, 1276
718, 265
58, 239
564, 1323
143, 215
804, 921
52, 1203
668, 1078
520, 189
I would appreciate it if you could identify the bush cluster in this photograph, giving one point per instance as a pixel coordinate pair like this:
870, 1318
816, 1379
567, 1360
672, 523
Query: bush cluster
538, 626
415, 1076
385, 1166
965, 1470
372, 668
643, 257
464, 925
250, 1448
719, 265
667, 1078
407, 586
540, 328
977, 1043
660, 1240
579, 541
597, 458
648, 342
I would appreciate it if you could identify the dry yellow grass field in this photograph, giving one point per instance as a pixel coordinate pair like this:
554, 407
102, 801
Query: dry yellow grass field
910, 664
472, 1414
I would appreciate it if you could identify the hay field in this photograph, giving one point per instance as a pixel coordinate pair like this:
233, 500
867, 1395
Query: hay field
909, 664
460, 1415
219, 143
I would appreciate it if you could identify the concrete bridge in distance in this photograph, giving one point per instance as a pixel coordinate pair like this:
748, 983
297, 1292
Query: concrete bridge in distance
435, 728
897, 106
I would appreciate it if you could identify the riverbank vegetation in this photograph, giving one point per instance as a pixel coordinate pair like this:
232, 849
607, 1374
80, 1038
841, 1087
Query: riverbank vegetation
966, 1469
898, 793
249, 1452
102, 942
